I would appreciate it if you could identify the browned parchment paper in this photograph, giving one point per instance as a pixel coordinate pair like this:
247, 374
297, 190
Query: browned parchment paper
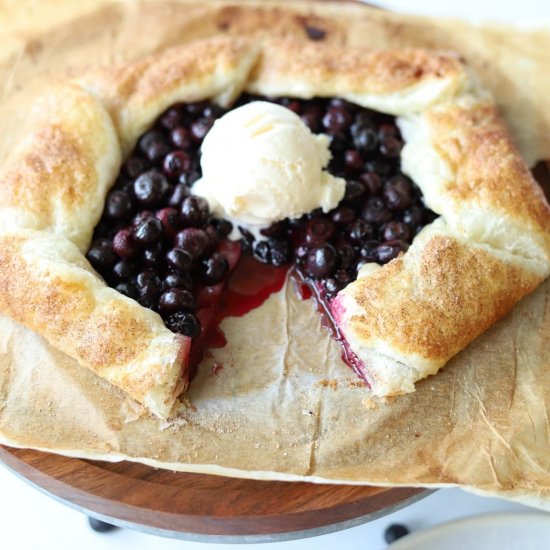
284, 406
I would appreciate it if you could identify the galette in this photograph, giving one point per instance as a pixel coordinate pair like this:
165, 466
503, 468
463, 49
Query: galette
384, 184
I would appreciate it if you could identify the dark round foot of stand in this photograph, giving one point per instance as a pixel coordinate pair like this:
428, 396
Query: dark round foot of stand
100, 526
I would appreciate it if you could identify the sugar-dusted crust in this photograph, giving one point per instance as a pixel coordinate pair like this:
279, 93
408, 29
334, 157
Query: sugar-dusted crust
52, 193
407, 319
135, 94
463, 157
50, 287
490, 247
57, 176
54, 184
393, 81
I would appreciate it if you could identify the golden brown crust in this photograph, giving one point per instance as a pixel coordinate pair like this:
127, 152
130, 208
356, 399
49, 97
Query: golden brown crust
488, 171
57, 177
338, 70
50, 288
437, 298
136, 93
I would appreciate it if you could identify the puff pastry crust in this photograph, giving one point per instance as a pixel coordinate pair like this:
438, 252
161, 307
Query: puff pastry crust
489, 248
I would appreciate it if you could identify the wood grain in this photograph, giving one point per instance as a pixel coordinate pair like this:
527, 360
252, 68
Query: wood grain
196, 503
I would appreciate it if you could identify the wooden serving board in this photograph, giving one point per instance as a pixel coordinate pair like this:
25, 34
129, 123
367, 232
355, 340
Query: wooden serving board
203, 507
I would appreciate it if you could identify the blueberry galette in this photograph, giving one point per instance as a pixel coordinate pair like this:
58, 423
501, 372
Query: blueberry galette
384, 181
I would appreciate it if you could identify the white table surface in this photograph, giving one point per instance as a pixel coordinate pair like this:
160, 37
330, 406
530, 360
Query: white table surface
30, 520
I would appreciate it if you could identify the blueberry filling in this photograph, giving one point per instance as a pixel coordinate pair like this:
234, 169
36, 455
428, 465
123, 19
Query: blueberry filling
160, 245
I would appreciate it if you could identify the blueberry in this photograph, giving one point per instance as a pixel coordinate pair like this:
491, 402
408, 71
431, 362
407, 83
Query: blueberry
388, 130
148, 231
364, 138
194, 241
355, 191
277, 229
149, 287
337, 119
343, 278
319, 230
247, 240
197, 107
194, 211
200, 128
375, 211
154, 257
279, 251
300, 253
312, 120
124, 245
395, 230
391, 147
124, 269
386, 252
179, 259
353, 160
128, 289
346, 255
372, 182
157, 151
150, 188
413, 216
101, 255
321, 261
332, 287
213, 269
178, 280
189, 178
140, 217
380, 166
179, 193
338, 143
360, 231
363, 119
176, 163
222, 227
180, 137
343, 215
184, 323
398, 193
262, 252
291, 104
150, 140
176, 299
170, 220
367, 250
171, 118
213, 111
134, 166
118, 205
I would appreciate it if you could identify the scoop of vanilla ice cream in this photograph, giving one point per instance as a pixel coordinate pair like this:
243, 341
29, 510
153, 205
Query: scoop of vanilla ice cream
261, 164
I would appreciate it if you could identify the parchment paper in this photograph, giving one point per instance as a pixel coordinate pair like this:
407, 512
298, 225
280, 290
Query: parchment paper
278, 402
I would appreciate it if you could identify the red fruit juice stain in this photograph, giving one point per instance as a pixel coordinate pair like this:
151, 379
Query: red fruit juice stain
315, 291
303, 289
216, 368
250, 284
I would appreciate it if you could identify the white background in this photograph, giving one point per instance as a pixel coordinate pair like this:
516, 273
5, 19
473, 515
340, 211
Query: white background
30, 520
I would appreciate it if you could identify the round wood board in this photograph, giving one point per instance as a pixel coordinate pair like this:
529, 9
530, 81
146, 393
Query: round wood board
203, 507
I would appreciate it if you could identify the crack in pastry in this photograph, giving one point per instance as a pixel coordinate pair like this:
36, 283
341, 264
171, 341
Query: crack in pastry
403, 321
